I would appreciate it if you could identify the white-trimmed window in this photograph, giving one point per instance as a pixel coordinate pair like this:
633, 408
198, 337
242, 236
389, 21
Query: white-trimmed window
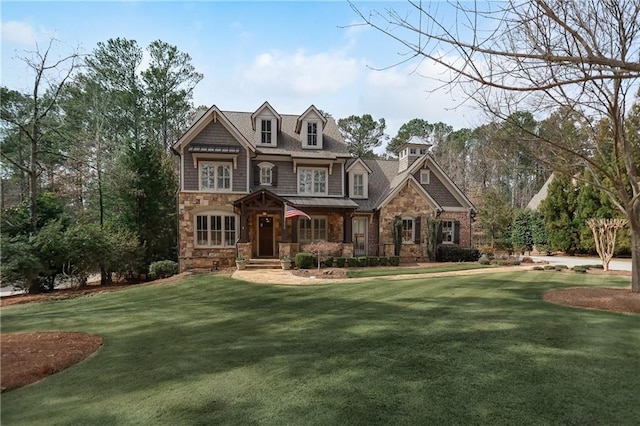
265, 132
425, 176
413, 151
312, 133
448, 231
358, 185
215, 176
216, 230
423, 151
312, 230
266, 174
408, 229
312, 181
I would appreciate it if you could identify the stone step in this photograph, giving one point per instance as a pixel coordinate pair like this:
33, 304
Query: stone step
263, 264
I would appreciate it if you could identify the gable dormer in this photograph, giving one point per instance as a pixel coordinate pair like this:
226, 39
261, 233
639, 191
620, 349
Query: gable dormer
310, 127
266, 124
358, 177
410, 151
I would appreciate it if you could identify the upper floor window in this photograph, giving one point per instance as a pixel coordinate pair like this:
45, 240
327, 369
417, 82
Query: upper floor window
215, 176
358, 185
423, 151
413, 151
408, 228
312, 230
425, 176
312, 134
216, 230
265, 134
265, 175
312, 181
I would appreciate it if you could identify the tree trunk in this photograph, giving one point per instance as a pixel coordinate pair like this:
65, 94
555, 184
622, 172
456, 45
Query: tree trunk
634, 223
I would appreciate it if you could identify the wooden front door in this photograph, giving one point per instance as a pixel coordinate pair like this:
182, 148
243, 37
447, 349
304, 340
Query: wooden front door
265, 236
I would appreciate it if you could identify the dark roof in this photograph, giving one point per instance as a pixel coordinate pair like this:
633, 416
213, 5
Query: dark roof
383, 172
214, 148
288, 139
322, 202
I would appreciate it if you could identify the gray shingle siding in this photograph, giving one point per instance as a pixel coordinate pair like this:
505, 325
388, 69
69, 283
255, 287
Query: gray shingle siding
288, 180
215, 134
438, 191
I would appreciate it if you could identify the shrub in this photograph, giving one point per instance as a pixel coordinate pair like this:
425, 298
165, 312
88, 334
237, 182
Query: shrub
305, 260
507, 262
394, 260
362, 261
527, 259
328, 262
340, 261
538, 268
580, 269
449, 253
163, 269
549, 268
372, 261
383, 261
352, 262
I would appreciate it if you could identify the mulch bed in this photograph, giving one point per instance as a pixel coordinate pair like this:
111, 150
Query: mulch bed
606, 299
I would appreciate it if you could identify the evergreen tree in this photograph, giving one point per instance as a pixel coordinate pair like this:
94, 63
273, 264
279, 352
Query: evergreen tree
362, 134
558, 210
522, 231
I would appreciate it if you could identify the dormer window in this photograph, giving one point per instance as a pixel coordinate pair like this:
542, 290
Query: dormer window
265, 135
358, 185
312, 134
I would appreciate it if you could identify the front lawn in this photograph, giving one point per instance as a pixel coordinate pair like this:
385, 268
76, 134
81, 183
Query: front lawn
479, 349
399, 270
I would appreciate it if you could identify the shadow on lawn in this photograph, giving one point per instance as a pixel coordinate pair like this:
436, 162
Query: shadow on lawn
470, 350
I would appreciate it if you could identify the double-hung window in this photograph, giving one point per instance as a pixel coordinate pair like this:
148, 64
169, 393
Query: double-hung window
312, 230
265, 135
312, 134
407, 230
265, 175
216, 230
215, 176
358, 185
448, 231
312, 181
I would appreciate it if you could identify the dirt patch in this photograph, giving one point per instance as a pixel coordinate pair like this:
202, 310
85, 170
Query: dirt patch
29, 357
338, 273
606, 299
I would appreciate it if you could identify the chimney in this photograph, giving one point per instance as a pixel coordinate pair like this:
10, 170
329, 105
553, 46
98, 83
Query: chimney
409, 152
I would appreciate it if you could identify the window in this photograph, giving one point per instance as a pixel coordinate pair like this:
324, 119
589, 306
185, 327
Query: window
423, 151
407, 230
312, 230
448, 231
312, 134
215, 230
358, 185
312, 181
215, 176
425, 176
413, 151
265, 135
265, 175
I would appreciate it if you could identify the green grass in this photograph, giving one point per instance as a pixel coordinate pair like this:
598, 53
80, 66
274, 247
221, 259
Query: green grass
395, 270
458, 350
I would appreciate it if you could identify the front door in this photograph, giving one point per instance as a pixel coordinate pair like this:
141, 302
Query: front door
359, 236
265, 236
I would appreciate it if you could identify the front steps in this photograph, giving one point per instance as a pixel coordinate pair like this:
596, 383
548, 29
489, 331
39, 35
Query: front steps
263, 264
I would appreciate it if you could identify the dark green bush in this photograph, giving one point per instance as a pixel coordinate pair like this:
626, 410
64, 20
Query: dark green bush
394, 260
362, 261
450, 253
383, 261
340, 261
305, 260
580, 269
372, 261
163, 269
328, 262
352, 262
507, 262
538, 268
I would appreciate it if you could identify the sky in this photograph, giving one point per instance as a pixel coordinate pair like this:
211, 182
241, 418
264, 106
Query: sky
291, 54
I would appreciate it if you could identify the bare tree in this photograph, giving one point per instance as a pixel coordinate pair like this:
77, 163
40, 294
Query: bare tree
543, 55
50, 77
604, 234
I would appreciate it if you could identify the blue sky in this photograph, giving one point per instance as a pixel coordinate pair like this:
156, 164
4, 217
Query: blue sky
292, 54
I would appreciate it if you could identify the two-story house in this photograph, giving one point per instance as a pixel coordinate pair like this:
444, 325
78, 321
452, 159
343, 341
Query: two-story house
241, 171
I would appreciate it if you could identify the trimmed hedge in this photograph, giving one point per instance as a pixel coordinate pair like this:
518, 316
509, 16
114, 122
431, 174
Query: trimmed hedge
394, 260
362, 261
352, 262
305, 260
372, 261
448, 253
328, 262
163, 269
383, 261
340, 262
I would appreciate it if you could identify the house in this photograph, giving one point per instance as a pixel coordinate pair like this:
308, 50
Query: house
241, 172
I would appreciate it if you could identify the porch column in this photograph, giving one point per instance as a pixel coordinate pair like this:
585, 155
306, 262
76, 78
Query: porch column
244, 226
294, 229
348, 234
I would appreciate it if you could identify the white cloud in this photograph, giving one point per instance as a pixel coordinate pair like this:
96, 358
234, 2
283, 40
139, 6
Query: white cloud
300, 73
18, 32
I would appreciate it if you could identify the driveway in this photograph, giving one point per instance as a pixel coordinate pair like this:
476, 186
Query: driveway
570, 261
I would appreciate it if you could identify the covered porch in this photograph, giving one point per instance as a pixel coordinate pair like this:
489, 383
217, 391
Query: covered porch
266, 232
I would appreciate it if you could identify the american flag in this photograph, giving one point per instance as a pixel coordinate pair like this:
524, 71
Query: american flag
293, 212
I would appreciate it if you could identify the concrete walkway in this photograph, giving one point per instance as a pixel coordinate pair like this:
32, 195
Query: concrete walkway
282, 277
